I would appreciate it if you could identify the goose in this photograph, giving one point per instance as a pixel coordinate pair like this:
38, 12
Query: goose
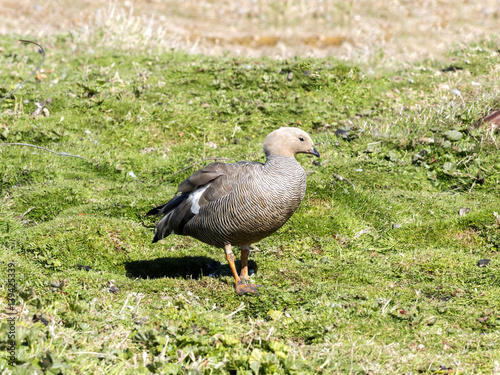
239, 204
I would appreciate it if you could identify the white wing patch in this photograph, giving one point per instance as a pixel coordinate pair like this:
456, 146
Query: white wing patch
194, 199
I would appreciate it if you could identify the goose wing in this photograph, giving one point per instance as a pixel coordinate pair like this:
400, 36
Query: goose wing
204, 186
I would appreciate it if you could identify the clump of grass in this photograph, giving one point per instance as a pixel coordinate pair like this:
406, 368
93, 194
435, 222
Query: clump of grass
376, 272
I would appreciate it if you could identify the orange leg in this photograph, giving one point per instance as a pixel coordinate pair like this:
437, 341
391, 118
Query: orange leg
241, 288
244, 263
230, 260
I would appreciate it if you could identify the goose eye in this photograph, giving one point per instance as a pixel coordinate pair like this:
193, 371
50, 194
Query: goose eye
301, 139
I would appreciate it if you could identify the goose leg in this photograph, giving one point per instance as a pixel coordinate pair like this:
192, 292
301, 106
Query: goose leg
241, 288
245, 249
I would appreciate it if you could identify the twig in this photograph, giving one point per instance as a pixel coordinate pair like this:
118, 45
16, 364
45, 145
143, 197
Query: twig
119, 248
161, 357
27, 212
385, 305
340, 178
124, 304
271, 330
182, 356
99, 355
64, 298
472, 187
197, 162
31, 75
240, 307
45, 149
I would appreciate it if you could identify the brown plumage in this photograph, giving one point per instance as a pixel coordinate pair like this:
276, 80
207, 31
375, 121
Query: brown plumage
239, 204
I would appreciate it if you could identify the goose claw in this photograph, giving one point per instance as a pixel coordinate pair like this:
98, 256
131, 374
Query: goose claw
242, 288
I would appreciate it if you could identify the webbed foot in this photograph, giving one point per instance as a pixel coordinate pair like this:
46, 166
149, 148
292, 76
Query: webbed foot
242, 288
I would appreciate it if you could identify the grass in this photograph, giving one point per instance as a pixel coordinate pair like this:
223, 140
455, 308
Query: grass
379, 275
374, 32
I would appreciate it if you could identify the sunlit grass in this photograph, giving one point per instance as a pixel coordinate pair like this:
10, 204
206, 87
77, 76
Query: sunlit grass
377, 273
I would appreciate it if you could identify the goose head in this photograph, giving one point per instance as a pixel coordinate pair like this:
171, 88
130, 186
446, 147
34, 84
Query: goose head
289, 142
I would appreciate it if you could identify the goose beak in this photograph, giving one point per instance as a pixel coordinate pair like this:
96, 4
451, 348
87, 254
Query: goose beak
314, 152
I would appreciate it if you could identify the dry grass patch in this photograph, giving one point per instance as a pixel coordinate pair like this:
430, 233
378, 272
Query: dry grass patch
368, 31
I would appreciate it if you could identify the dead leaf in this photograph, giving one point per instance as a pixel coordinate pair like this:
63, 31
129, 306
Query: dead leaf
426, 140
40, 107
116, 79
211, 144
40, 76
